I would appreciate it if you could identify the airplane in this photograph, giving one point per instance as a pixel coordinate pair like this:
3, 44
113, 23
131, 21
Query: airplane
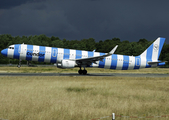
70, 58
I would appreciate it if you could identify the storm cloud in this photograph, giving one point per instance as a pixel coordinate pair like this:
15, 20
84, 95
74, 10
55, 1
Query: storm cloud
78, 19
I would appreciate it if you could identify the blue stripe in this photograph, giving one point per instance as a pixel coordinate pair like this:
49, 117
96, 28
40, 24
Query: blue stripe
147, 65
66, 54
102, 63
16, 51
125, 62
150, 52
78, 54
29, 52
90, 54
114, 62
41, 54
54, 52
137, 62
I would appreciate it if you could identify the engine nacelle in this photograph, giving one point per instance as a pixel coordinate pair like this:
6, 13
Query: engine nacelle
66, 64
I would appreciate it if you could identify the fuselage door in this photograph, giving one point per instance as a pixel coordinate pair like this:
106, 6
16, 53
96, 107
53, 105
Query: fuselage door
54, 52
20, 49
137, 61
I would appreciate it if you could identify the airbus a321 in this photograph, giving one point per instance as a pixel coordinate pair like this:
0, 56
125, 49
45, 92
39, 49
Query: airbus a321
69, 58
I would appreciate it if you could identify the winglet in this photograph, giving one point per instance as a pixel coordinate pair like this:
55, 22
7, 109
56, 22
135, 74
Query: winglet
113, 50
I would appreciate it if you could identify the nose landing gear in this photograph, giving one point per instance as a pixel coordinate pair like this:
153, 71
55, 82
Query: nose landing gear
84, 72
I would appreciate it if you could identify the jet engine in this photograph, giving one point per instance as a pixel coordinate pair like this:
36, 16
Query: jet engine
66, 64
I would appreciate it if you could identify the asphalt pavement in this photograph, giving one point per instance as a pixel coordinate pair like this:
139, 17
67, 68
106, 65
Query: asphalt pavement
90, 74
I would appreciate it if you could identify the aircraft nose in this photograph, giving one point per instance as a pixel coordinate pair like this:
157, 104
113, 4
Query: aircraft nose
4, 52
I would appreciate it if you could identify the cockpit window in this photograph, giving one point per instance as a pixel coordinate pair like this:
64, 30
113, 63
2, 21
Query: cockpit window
11, 47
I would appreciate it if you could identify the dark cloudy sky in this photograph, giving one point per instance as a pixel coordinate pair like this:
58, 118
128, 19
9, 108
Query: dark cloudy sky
77, 19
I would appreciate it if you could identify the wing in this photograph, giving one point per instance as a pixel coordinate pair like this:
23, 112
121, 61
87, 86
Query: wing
90, 60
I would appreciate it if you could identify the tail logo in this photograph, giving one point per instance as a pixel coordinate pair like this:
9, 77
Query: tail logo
155, 47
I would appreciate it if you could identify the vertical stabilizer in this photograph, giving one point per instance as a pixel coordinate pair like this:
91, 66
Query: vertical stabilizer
154, 50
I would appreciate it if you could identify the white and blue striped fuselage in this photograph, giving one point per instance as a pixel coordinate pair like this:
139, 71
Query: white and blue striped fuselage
56, 55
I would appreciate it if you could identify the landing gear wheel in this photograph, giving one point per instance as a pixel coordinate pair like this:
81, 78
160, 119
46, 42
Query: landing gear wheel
18, 66
84, 72
80, 72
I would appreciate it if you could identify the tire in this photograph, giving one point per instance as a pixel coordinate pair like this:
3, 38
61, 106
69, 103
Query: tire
80, 72
84, 72
18, 66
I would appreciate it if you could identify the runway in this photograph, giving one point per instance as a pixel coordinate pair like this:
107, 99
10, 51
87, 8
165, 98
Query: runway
89, 75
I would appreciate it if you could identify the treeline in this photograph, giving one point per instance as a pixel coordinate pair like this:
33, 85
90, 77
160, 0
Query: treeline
125, 47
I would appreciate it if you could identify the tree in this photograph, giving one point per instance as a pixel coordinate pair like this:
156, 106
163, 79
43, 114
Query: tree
57, 43
142, 42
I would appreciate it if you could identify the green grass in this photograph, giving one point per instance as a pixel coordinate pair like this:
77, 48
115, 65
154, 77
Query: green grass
82, 98
77, 89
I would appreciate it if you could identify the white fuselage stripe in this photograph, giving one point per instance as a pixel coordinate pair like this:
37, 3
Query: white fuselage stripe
108, 62
119, 62
47, 54
155, 50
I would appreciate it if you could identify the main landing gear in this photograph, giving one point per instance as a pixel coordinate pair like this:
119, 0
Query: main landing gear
84, 72
19, 65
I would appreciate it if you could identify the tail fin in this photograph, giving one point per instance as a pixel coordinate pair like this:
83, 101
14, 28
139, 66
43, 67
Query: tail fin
154, 50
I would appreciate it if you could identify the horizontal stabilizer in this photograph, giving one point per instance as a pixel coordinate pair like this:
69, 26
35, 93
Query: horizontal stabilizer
156, 62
